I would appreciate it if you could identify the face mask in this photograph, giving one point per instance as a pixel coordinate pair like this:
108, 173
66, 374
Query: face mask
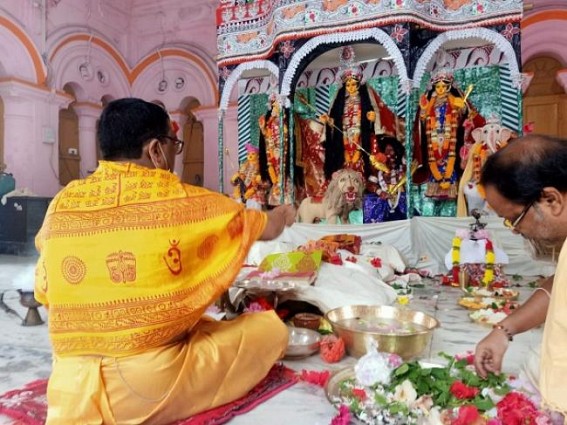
164, 158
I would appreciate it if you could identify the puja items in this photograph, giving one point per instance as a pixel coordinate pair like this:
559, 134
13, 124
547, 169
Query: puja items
302, 343
307, 320
380, 391
348, 242
397, 330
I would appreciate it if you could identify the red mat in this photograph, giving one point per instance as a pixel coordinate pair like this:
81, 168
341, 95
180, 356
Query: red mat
28, 405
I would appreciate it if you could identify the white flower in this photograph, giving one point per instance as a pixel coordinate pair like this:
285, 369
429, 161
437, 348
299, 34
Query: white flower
372, 368
423, 403
405, 393
432, 418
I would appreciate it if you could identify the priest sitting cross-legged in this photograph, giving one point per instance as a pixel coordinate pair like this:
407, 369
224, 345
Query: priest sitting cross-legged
130, 259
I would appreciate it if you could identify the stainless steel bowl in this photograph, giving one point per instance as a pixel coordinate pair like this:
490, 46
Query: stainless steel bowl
302, 343
407, 345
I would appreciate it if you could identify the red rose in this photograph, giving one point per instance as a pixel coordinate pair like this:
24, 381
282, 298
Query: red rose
462, 391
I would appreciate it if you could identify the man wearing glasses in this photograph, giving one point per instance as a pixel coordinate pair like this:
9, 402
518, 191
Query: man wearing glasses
130, 259
526, 184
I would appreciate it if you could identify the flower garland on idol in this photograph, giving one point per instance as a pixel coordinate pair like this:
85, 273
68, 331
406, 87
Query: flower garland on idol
489, 259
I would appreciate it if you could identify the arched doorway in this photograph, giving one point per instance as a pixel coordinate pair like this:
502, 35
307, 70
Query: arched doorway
193, 156
69, 158
545, 101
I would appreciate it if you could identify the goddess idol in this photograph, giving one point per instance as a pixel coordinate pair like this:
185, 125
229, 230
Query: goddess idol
442, 112
357, 114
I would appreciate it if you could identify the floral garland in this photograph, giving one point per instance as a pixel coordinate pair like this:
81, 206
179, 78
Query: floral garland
447, 151
489, 259
479, 157
456, 258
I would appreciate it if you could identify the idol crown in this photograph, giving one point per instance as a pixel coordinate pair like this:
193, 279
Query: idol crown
444, 76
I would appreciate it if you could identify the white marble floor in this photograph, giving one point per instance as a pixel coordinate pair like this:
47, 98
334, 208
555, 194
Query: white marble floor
25, 351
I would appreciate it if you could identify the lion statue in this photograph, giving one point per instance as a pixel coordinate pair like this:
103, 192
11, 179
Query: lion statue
343, 195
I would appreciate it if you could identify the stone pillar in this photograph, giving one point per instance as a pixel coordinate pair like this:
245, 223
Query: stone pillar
88, 114
31, 125
208, 116
181, 118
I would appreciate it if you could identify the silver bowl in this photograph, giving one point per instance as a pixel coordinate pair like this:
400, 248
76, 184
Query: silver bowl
302, 343
408, 342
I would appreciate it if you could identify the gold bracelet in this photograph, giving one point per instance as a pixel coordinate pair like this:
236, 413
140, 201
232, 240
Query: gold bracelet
505, 330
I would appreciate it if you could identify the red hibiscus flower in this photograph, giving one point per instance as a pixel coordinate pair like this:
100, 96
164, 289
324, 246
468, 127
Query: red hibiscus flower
516, 409
316, 378
376, 262
463, 391
359, 393
468, 415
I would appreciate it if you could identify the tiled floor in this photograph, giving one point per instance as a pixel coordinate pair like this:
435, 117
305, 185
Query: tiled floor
25, 351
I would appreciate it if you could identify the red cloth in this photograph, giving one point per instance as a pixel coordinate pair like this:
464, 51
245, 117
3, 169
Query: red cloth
28, 405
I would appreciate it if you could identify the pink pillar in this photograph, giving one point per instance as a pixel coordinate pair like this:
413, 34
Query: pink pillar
209, 118
87, 114
31, 115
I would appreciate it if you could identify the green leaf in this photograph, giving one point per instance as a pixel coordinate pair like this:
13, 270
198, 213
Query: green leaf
483, 404
402, 369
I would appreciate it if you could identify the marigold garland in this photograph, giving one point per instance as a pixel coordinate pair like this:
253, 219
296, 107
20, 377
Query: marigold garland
456, 257
490, 258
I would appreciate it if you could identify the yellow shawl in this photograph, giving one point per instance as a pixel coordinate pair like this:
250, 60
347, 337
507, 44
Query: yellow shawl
553, 363
130, 258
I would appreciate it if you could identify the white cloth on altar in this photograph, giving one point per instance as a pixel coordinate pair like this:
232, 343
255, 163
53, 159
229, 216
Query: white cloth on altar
339, 285
422, 242
474, 252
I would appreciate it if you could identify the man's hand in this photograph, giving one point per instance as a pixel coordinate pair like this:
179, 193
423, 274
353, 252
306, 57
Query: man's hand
489, 353
278, 218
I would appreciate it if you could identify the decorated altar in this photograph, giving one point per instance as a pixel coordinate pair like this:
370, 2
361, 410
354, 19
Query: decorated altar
427, 74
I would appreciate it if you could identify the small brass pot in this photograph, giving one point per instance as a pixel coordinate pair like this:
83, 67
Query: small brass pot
406, 345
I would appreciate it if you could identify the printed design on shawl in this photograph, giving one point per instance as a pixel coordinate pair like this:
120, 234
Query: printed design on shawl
121, 266
161, 214
73, 269
236, 226
173, 258
206, 248
41, 276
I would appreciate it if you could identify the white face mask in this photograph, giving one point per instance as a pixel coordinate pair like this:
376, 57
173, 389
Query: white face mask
164, 158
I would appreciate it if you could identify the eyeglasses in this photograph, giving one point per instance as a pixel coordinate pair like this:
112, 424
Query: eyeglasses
176, 142
513, 224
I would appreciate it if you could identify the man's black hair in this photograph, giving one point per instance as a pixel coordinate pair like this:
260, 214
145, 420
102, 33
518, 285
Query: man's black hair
127, 124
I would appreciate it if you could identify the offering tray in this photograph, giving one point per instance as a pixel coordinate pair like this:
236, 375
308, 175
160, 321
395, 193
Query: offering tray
333, 388
478, 303
496, 293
